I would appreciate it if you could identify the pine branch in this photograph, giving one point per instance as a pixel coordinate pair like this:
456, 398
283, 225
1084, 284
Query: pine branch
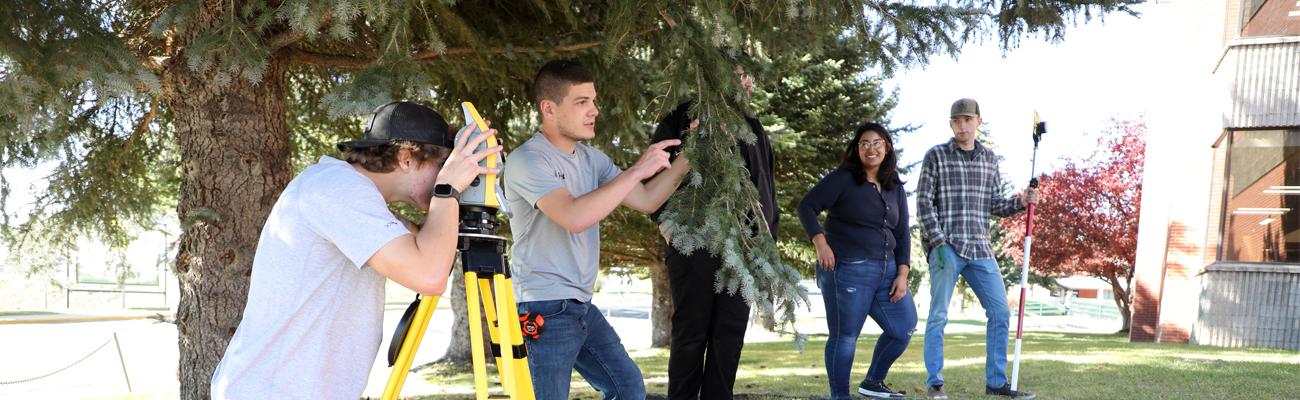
672, 23
140, 127
155, 63
291, 36
430, 54
304, 57
644, 255
143, 124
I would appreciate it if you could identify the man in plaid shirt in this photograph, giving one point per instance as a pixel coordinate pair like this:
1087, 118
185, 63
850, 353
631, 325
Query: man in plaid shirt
958, 189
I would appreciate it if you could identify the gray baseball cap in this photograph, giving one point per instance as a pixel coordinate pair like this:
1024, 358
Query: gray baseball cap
965, 107
402, 120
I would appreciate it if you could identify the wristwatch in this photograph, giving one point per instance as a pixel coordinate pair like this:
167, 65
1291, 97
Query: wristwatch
445, 191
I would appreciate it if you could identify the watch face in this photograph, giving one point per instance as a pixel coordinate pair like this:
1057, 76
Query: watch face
442, 190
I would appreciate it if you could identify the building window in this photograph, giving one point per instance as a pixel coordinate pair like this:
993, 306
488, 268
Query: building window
1262, 18
1262, 210
1249, 8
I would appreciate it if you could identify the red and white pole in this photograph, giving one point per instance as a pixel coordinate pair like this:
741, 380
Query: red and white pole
1039, 129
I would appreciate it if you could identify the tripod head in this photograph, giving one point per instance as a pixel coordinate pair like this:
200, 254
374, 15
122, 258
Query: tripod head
479, 220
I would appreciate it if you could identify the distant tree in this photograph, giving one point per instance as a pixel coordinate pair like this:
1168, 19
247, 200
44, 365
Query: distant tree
1086, 220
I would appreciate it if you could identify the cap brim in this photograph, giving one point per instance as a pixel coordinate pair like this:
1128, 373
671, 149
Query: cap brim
967, 114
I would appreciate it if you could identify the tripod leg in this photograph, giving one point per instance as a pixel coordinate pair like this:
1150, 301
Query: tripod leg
476, 336
523, 383
415, 333
494, 325
504, 310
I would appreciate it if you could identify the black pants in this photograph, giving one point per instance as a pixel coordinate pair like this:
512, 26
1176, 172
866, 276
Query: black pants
708, 329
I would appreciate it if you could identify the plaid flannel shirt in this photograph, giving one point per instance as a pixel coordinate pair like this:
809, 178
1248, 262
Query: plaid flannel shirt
955, 195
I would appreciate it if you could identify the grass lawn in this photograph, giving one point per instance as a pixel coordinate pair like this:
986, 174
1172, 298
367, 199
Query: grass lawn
1057, 366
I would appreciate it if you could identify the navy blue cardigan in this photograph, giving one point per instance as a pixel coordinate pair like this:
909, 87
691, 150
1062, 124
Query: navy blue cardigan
861, 221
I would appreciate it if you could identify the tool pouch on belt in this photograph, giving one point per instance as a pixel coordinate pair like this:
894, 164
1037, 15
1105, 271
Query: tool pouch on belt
531, 325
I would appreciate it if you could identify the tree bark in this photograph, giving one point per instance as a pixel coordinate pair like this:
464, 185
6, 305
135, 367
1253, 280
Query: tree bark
661, 311
1121, 299
235, 161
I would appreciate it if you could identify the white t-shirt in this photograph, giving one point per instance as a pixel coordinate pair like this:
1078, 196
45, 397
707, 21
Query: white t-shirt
315, 312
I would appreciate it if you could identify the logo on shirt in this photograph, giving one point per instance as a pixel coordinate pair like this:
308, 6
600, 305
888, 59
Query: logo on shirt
559, 174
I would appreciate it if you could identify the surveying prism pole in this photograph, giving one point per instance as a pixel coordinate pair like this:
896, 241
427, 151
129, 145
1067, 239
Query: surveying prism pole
1040, 128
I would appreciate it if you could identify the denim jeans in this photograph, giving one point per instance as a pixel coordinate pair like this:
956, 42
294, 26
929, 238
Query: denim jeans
985, 279
855, 289
576, 336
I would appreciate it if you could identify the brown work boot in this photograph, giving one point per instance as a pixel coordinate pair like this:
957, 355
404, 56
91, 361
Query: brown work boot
935, 392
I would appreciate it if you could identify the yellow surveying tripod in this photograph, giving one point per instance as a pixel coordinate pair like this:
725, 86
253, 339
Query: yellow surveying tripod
487, 278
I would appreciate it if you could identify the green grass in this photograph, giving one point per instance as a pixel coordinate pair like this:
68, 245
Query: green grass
1057, 366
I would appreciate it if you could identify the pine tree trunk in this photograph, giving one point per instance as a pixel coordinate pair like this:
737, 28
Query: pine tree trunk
234, 146
661, 311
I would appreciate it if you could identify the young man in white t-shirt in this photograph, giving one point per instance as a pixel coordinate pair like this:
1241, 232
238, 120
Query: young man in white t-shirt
311, 327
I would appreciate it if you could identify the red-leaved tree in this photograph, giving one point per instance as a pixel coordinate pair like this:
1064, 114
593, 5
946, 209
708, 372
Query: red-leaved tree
1086, 221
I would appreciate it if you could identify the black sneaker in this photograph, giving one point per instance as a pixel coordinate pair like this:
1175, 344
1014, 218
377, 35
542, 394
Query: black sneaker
1006, 391
877, 390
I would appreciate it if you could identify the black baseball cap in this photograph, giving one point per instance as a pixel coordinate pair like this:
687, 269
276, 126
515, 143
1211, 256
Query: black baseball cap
402, 120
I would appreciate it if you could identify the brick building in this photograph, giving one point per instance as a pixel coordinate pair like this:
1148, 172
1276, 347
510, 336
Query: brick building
1219, 239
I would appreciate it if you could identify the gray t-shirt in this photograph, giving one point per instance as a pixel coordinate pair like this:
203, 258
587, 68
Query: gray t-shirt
312, 324
549, 262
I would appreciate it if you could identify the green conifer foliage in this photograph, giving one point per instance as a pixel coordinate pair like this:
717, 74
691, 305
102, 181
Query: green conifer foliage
142, 105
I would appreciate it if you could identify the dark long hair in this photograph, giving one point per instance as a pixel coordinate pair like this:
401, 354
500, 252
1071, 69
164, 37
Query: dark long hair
888, 172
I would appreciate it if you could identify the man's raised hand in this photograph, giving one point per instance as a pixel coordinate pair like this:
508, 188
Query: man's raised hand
653, 160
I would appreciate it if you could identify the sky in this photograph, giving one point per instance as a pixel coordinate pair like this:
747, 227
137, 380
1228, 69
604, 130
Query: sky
1103, 69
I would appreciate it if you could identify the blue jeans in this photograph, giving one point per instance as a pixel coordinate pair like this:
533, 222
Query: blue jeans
854, 289
576, 336
985, 279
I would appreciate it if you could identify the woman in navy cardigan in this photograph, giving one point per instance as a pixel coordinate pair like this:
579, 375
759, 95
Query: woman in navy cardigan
863, 254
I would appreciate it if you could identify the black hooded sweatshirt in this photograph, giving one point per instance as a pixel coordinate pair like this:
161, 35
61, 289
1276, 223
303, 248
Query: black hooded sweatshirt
757, 156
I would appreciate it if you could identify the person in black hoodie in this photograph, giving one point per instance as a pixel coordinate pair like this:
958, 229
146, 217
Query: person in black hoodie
708, 327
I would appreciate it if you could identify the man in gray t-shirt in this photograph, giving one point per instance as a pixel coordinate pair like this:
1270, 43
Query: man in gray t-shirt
311, 327
559, 190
